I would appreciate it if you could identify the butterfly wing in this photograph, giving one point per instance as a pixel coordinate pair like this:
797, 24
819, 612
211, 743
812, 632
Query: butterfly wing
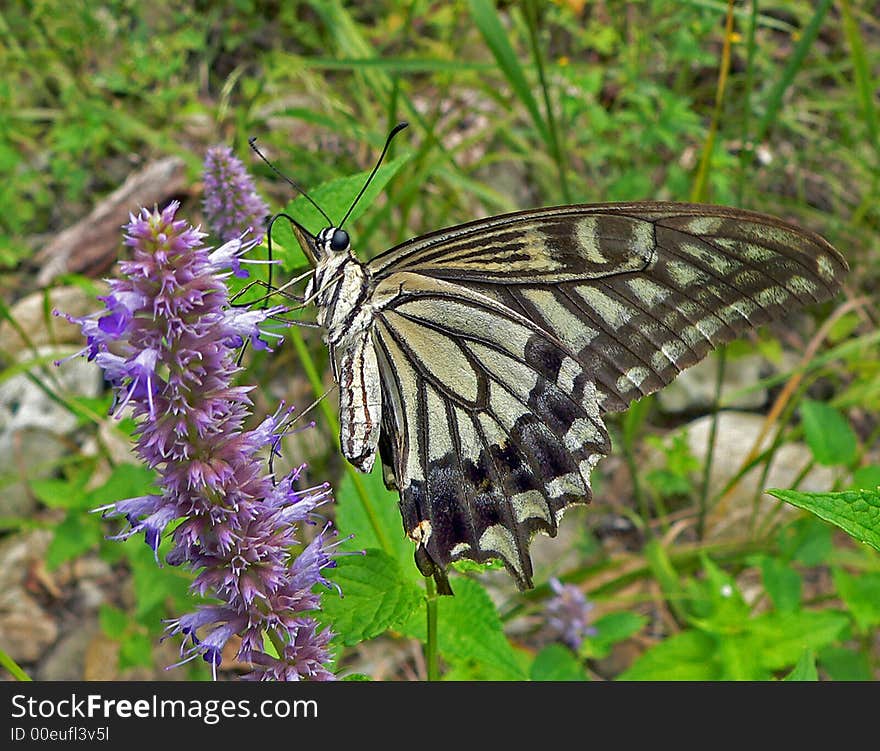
490, 428
501, 343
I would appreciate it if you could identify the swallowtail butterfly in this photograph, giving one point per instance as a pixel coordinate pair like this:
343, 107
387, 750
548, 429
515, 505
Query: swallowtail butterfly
479, 360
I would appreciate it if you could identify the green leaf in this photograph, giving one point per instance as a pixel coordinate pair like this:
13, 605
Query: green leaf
69, 493
805, 670
114, 622
666, 576
155, 586
779, 639
806, 540
136, 651
375, 597
861, 595
856, 512
352, 518
335, 197
687, 656
866, 478
557, 663
728, 605
844, 664
782, 582
828, 434
610, 629
738, 659
77, 534
470, 633
125, 481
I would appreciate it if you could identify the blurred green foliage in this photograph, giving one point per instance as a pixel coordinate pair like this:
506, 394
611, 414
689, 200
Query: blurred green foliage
511, 105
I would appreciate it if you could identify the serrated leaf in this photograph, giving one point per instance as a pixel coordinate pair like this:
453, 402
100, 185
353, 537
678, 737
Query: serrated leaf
687, 656
861, 595
856, 512
779, 639
805, 670
828, 434
334, 197
352, 518
470, 631
782, 582
376, 596
557, 663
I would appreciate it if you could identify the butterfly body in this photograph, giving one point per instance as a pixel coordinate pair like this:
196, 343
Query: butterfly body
479, 360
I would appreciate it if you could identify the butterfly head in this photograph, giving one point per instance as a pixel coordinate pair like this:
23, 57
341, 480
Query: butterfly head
333, 240
327, 244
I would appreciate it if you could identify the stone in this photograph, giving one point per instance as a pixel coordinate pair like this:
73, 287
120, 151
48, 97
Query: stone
26, 629
736, 434
33, 316
66, 660
34, 426
694, 388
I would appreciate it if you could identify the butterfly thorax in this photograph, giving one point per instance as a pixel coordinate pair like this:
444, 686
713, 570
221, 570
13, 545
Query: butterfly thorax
342, 284
342, 287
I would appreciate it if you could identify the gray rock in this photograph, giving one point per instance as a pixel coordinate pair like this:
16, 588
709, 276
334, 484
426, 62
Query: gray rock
42, 329
66, 661
26, 629
736, 434
33, 426
694, 388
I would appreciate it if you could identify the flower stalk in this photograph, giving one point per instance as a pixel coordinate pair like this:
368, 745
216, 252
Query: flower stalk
167, 341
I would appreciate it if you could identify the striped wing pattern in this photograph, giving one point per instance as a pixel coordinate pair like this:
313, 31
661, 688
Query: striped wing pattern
507, 339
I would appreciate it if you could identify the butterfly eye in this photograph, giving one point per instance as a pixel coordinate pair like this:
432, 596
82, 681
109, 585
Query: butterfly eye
339, 241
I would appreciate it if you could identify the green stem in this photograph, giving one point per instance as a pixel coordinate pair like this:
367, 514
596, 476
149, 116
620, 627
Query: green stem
638, 495
431, 654
318, 387
698, 192
12, 666
747, 148
532, 18
710, 452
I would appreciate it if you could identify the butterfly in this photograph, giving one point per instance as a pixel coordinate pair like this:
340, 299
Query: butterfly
479, 361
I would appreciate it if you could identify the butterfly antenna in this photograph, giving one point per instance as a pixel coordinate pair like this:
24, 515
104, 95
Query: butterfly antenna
394, 131
252, 143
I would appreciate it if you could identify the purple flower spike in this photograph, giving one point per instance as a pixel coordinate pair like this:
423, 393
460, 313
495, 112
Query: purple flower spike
167, 342
569, 614
231, 204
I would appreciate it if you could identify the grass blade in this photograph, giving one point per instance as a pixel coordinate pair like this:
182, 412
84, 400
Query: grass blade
774, 103
486, 18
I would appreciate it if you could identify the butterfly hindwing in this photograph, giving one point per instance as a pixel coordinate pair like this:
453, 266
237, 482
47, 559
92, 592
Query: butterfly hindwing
496, 428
